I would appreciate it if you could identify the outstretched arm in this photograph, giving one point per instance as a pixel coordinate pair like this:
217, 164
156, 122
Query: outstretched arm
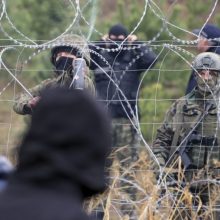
24, 103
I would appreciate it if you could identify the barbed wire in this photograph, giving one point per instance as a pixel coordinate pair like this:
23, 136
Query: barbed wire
177, 46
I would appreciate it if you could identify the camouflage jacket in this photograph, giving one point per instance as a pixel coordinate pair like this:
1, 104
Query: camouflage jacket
182, 117
22, 99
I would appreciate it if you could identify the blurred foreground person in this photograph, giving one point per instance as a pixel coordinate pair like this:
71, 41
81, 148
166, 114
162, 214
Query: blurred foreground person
207, 42
61, 159
189, 140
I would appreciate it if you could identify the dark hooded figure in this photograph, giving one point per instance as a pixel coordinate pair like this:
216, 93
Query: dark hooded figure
118, 60
207, 42
61, 159
120, 56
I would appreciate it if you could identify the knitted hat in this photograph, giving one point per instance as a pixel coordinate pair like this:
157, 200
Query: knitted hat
117, 30
73, 44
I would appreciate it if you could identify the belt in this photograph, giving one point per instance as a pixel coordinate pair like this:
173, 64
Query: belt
201, 140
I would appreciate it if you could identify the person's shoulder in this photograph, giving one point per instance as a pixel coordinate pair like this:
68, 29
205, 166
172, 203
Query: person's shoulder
178, 104
180, 101
185, 102
191, 98
188, 98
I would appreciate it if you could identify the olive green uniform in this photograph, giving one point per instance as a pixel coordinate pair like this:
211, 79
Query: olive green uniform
202, 148
62, 80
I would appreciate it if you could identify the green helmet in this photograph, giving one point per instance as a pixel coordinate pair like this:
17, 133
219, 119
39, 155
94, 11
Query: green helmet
71, 42
207, 60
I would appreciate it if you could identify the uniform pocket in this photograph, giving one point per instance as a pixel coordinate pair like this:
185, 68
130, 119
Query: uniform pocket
190, 115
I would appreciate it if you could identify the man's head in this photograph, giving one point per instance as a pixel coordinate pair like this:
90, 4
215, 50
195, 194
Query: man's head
118, 32
207, 68
66, 49
207, 37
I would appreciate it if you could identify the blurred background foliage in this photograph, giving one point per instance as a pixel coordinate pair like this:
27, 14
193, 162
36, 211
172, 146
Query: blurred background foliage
34, 22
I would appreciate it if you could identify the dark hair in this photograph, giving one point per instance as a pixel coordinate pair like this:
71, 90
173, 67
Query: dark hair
117, 30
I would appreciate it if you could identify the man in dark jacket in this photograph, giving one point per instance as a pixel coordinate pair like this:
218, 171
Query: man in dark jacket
117, 62
61, 159
121, 58
207, 42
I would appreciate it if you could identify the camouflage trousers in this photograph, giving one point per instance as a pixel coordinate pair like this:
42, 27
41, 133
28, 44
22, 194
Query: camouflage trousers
203, 199
126, 144
203, 205
209, 196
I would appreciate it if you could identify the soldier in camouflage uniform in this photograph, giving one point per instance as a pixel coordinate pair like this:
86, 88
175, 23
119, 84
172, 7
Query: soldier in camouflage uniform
67, 48
191, 133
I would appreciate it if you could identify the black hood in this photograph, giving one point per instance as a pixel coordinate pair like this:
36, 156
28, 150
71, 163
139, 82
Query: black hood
117, 30
67, 142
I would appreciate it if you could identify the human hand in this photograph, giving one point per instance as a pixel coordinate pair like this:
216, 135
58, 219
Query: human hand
105, 37
32, 103
203, 44
132, 37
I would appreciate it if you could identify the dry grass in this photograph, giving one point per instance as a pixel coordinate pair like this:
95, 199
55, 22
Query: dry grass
153, 201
